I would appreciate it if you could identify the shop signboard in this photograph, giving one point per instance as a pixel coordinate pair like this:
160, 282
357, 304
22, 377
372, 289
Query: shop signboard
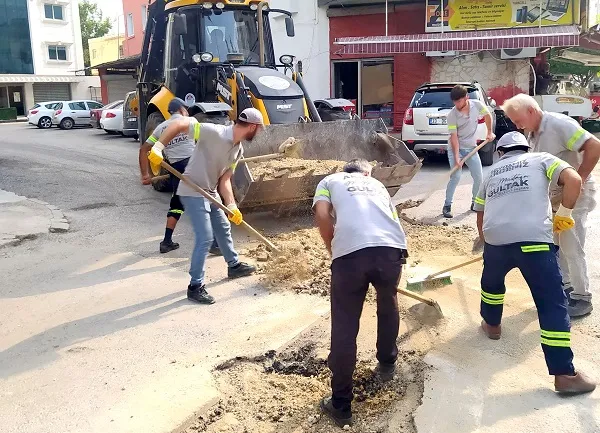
466, 15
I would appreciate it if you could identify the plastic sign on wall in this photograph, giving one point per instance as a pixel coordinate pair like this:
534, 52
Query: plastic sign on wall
465, 15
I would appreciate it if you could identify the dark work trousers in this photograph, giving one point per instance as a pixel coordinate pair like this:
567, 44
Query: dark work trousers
350, 278
176, 207
538, 262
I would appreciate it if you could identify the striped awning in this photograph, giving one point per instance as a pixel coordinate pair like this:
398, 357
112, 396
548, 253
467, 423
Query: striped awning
525, 37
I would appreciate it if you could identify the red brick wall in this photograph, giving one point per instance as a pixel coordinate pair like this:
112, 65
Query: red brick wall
410, 70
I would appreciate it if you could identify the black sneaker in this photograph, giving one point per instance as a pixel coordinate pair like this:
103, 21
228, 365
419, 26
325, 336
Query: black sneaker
241, 270
340, 417
165, 247
200, 295
385, 371
447, 212
215, 251
473, 206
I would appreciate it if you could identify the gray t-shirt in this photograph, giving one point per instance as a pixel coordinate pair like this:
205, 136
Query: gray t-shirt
214, 154
180, 148
561, 136
465, 125
514, 198
364, 214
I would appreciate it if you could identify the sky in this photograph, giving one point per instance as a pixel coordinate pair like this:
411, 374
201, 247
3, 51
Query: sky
113, 10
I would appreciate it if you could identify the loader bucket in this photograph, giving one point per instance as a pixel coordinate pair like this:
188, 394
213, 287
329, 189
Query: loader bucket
340, 141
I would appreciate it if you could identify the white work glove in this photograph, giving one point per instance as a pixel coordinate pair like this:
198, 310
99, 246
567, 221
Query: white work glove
155, 156
563, 219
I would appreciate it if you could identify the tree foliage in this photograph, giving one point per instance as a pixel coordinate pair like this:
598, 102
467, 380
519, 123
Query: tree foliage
93, 25
582, 75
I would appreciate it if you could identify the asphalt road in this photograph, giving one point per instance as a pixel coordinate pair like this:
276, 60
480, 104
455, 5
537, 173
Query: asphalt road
96, 334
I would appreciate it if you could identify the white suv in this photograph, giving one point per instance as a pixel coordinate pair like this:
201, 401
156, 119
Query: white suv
425, 128
68, 114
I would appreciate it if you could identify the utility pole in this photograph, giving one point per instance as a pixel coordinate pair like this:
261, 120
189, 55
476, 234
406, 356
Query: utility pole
386, 17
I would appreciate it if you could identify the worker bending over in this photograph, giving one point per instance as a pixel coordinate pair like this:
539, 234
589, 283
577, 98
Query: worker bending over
216, 154
514, 218
178, 153
463, 121
360, 228
563, 137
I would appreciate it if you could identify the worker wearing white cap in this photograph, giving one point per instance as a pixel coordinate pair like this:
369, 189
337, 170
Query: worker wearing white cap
562, 136
217, 152
514, 218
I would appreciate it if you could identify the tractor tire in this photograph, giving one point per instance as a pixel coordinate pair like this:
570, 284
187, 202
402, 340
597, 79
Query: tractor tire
155, 119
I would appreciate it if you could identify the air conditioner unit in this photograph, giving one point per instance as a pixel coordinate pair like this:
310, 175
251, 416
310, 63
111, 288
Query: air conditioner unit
440, 53
518, 53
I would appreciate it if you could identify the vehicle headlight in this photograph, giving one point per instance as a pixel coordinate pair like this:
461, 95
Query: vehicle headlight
196, 58
206, 57
286, 59
253, 6
207, 5
220, 5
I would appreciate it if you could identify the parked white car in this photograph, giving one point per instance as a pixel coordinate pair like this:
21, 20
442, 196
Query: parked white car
40, 114
68, 114
112, 119
425, 126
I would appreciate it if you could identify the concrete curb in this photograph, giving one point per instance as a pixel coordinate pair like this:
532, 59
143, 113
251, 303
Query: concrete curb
18, 120
58, 222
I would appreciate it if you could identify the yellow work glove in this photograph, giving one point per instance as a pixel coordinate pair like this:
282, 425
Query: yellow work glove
563, 219
236, 216
155, 156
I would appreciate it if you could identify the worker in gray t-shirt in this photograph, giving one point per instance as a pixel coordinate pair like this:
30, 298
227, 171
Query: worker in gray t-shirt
361, 230
216, 154
463, 121
563, 137
514, 219
178, 153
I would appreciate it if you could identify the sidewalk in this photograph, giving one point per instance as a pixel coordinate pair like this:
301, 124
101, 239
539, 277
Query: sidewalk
22, 218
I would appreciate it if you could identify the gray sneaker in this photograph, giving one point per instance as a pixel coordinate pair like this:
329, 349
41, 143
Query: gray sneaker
447, 212
579, 308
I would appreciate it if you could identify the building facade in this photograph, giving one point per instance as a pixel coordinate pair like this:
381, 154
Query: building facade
135, 14
40, 52
106, 49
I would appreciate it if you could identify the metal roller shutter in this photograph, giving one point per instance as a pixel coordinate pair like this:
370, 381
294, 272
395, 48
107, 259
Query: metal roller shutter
43, 92
118, 88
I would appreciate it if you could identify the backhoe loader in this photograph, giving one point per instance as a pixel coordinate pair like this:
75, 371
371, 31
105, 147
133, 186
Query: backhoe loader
218, 57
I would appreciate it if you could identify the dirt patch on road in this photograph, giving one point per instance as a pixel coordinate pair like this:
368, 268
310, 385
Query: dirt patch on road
280, 392
304, 263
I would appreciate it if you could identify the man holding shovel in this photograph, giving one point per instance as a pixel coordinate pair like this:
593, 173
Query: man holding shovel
361, 230
514, 218
178, 152
216, 154
463, 120
563, 137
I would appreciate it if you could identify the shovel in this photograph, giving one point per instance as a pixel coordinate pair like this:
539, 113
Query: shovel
218, 204
428, 301
290, 148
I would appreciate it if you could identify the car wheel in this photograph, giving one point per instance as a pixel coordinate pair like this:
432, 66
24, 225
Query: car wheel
67, 123
45, 123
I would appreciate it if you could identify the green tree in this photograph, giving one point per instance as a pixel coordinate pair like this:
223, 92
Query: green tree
93, 25
582, 75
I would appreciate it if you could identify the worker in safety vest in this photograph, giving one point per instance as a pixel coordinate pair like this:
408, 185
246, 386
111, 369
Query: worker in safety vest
368, 246
514, 218
563, 137
178, 153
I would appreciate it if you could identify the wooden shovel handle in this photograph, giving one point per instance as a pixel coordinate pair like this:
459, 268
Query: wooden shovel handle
217, 203
159, 178
478, 259
416, 296
262, 157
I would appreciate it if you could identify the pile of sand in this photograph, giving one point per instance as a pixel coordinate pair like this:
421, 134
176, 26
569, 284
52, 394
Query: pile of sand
276, 168
303, 265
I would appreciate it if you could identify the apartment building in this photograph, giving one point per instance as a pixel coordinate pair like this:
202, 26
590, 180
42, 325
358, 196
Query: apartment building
136, 14
40, 52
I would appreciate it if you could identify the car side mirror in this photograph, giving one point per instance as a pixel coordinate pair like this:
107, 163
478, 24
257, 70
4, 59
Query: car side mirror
289, 27
179, 24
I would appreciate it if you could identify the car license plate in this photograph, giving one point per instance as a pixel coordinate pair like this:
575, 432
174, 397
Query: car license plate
131, 119
437, 120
